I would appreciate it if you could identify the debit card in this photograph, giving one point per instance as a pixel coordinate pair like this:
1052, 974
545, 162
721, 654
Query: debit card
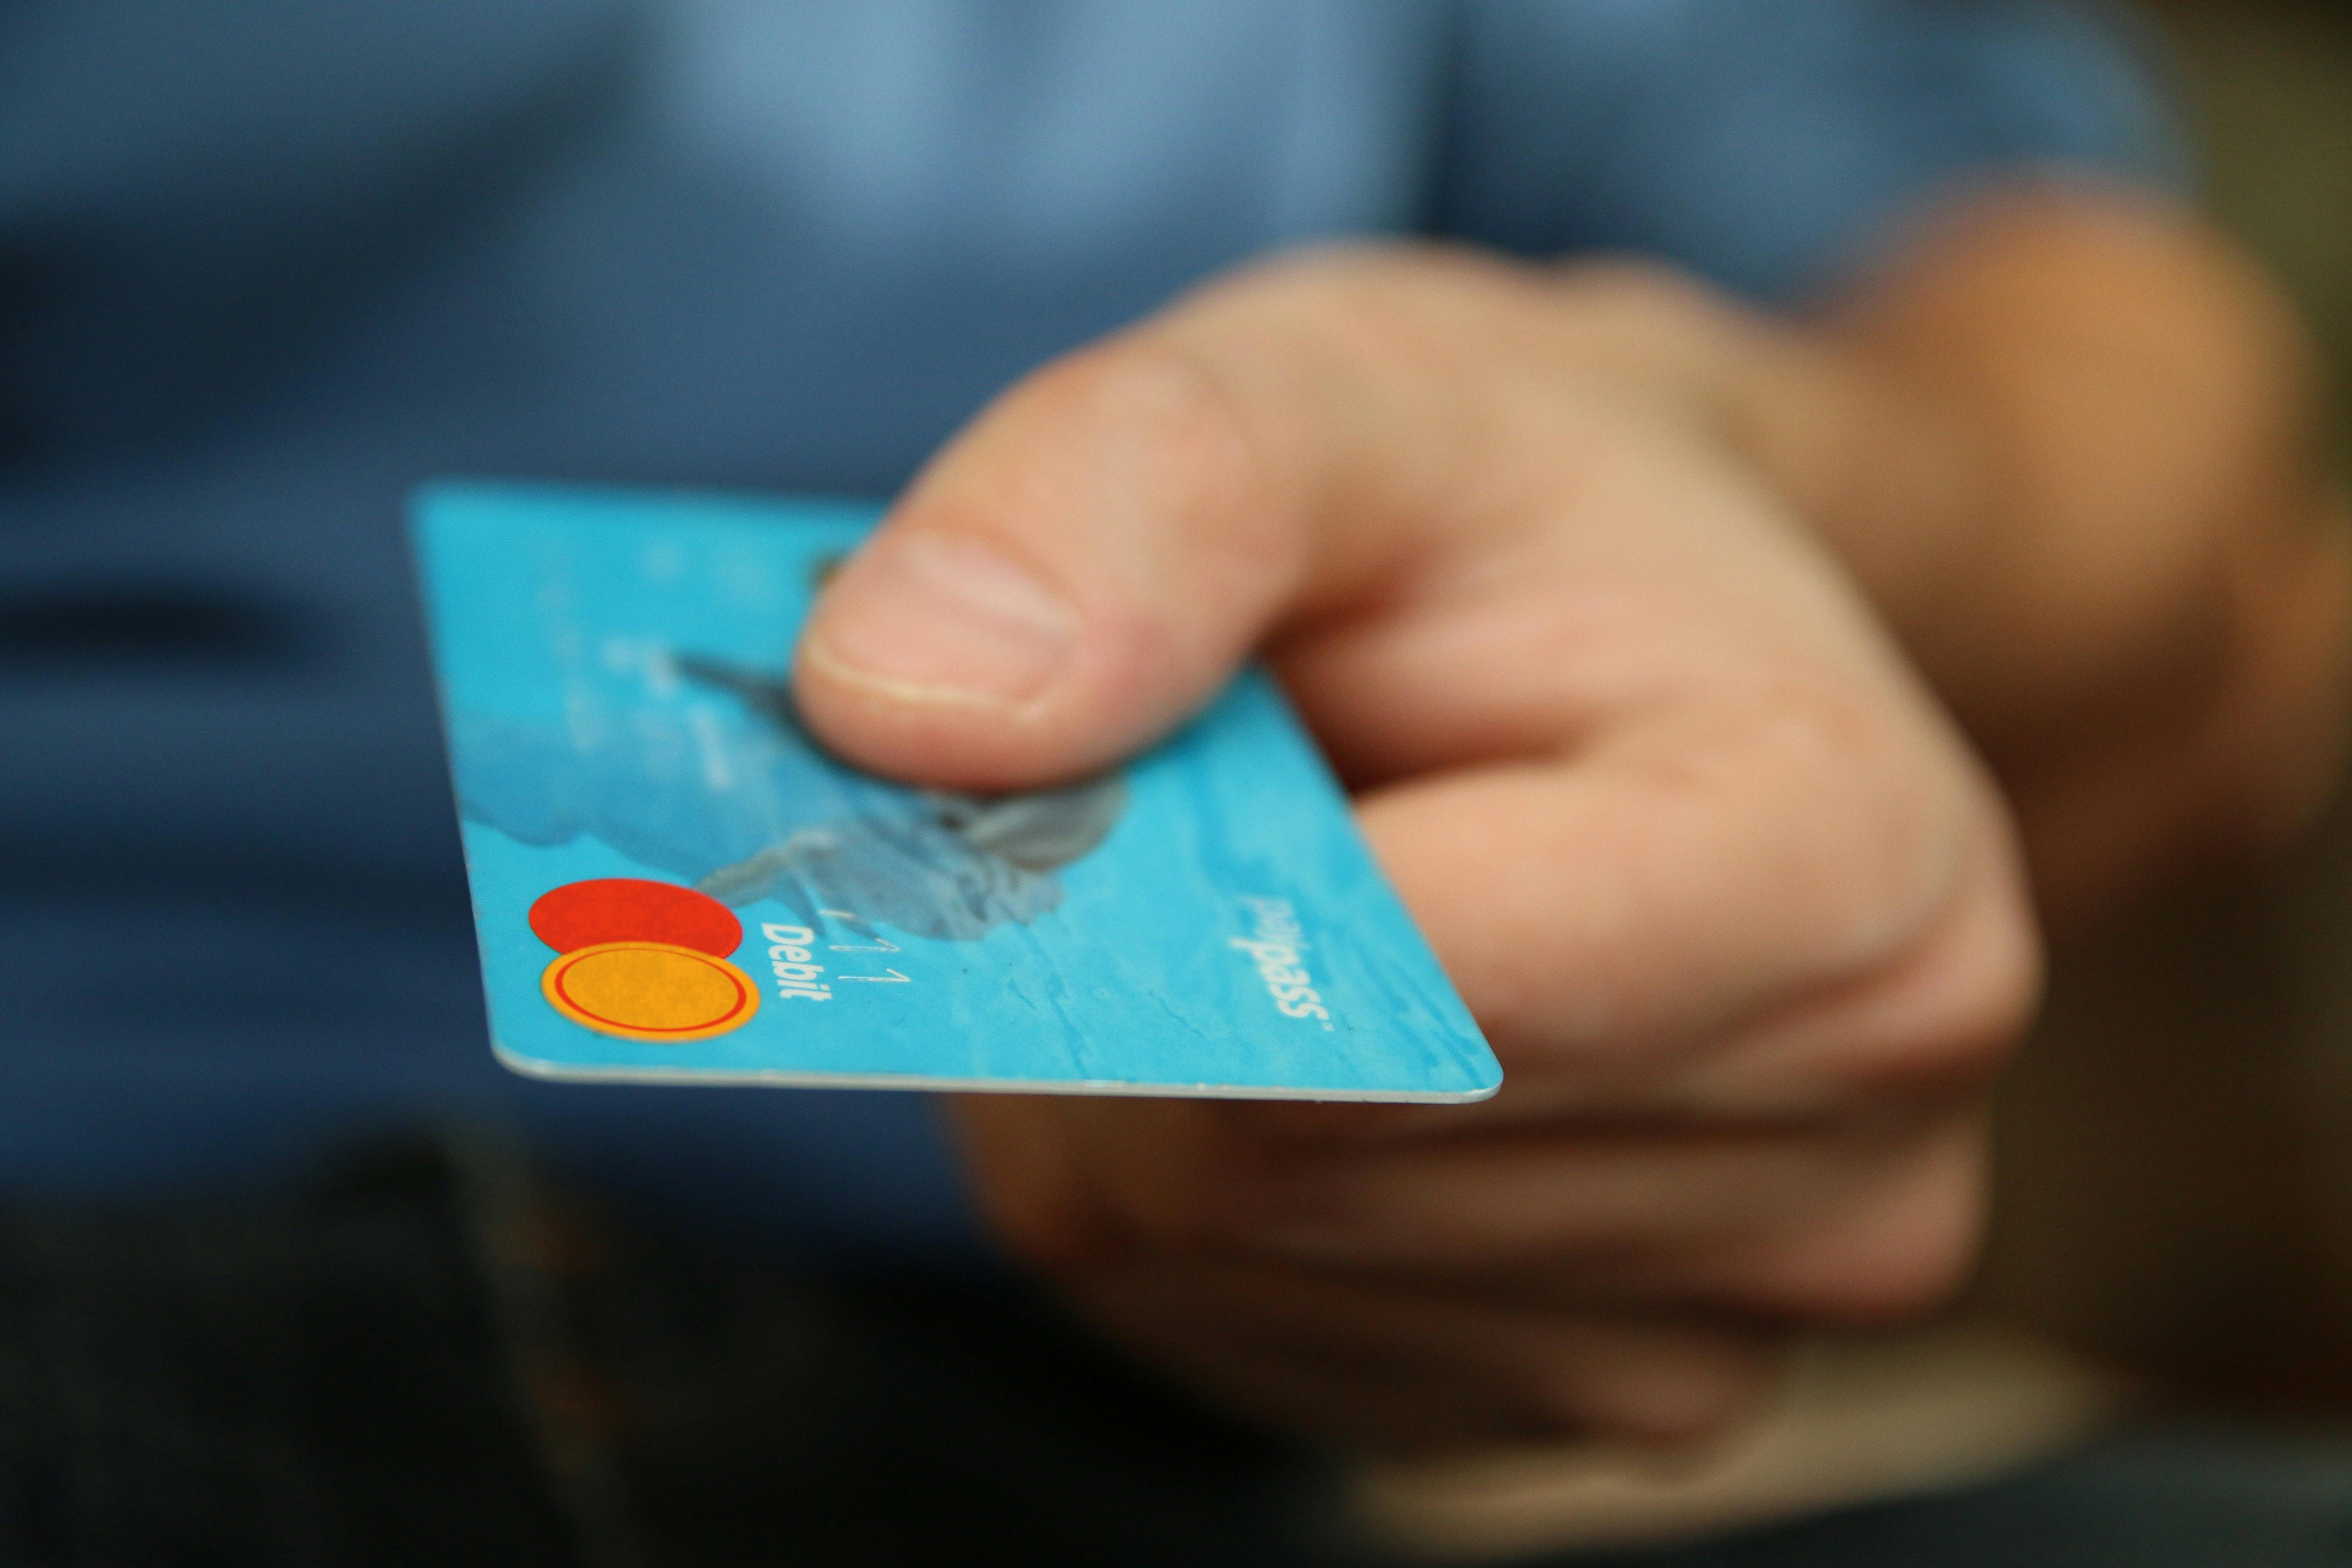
673, 883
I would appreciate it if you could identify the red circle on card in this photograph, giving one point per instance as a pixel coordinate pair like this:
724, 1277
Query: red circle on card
629, 908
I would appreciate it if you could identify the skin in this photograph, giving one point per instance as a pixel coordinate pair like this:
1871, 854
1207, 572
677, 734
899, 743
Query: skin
1720, 691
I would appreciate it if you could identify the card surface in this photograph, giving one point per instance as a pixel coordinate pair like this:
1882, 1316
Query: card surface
672, 883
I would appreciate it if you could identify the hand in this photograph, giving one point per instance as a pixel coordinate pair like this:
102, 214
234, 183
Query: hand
1736, 906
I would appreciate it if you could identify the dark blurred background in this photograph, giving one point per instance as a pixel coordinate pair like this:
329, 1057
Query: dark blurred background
2270, 84
2177, 1187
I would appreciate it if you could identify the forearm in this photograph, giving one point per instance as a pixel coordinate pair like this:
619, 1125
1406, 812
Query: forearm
2067, 442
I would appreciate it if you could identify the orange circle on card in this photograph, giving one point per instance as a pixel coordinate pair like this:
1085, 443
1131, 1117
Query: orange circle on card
650, 991
630, 909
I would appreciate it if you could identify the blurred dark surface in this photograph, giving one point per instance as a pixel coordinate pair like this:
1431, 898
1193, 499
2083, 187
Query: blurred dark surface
430, 1356
313, 1381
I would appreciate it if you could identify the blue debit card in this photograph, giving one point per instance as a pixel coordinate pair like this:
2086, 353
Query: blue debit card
673, 883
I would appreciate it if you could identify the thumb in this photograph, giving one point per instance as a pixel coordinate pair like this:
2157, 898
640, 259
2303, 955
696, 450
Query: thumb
1088, 562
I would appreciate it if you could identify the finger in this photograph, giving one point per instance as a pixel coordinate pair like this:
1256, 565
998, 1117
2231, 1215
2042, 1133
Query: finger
1890, 1251
1186, 1179
1690, 869
1917, 1035
1718, 1212
1886, 1250
1027, 1173
1391, 1365
1088, 560
1623, 1206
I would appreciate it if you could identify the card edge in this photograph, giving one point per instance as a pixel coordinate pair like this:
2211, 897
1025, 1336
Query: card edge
552, 1072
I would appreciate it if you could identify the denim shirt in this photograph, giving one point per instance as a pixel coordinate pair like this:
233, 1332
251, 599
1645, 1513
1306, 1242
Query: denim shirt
264, 264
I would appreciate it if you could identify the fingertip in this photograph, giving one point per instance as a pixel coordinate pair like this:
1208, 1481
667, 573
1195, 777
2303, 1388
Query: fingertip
927, 617
935, 655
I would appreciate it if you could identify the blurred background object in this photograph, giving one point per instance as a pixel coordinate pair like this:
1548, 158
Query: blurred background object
2176, 1190
2269, 88
2173, 1198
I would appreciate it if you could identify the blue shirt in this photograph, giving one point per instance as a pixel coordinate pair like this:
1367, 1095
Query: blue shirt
264, 264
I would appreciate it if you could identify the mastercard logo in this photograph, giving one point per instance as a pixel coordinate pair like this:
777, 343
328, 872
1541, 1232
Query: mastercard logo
643, 961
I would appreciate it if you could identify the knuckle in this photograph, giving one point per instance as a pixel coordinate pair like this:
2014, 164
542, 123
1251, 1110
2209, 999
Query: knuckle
1410, 313
1376, 280
1900, 824
1216, 454
1937, 1023
1641, 297
1875, 833
1158, 403
1979, 1016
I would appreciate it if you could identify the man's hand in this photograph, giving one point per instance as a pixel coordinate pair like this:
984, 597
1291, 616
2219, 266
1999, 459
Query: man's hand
1735, 902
